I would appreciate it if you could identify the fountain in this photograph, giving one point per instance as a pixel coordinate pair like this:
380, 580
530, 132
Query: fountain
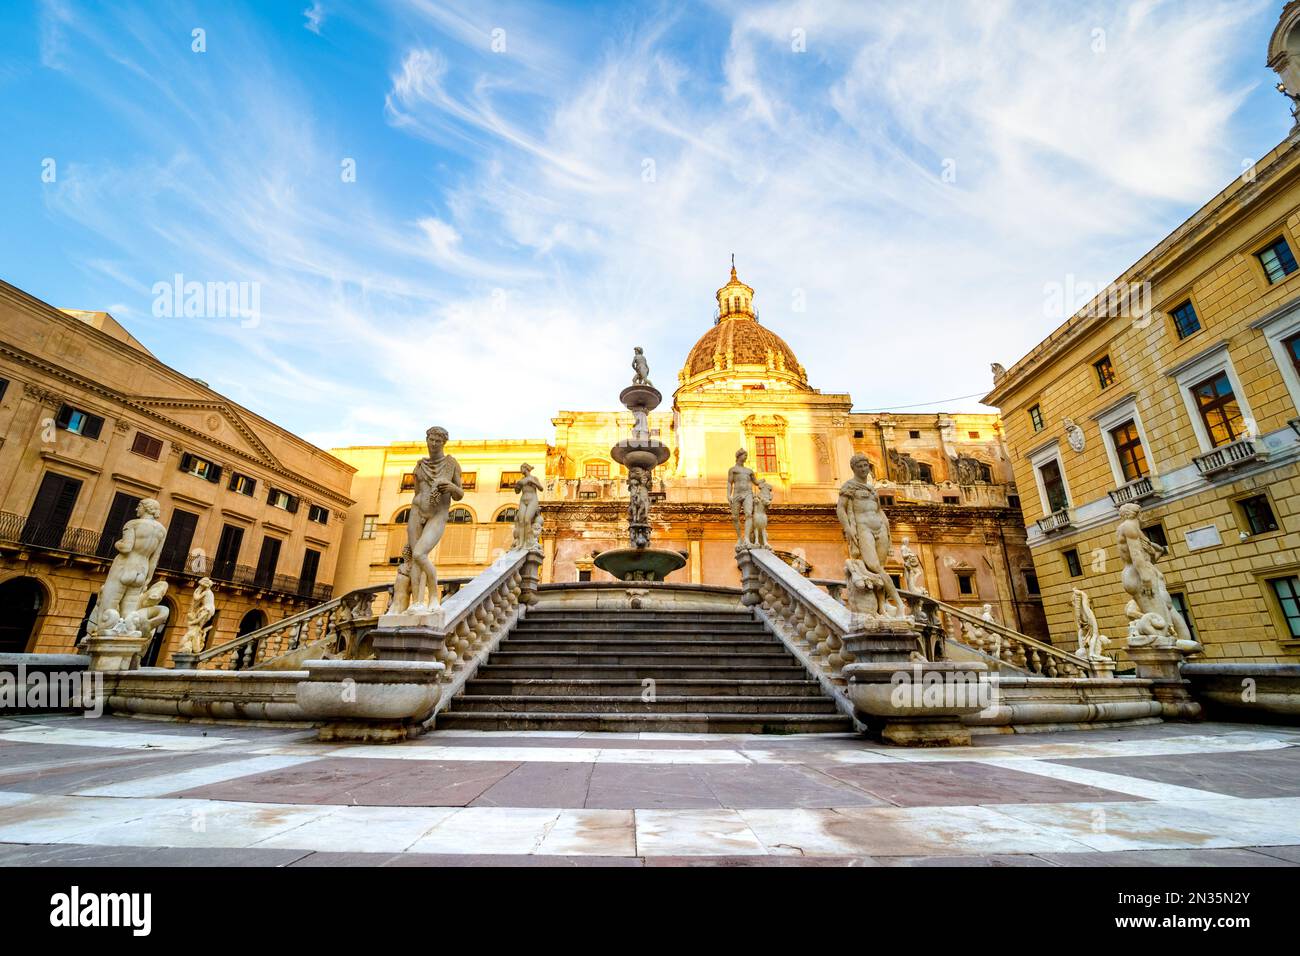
640, 454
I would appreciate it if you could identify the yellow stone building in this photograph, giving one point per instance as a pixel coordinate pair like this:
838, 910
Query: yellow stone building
91, 423
1178, 389
946, 479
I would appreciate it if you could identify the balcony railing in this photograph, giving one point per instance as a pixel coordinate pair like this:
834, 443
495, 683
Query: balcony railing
1143, 487
1056, 521
1233, 455
21, 530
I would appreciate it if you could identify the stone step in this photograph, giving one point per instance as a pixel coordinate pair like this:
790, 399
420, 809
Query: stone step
674, 627
535, 645
563, 704
649, 637
557, 614
646, 723
561, 671
479, 686
773, 656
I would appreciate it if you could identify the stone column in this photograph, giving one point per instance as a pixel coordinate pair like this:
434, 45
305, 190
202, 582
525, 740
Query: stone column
695, 539
548, 558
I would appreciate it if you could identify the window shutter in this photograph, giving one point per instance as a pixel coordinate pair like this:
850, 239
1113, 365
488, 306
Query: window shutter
293, 504
93, 425
186, 460
214, 474
65, 415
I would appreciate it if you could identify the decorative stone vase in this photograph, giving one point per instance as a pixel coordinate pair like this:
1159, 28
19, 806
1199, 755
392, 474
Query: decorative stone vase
920, 703
370, 701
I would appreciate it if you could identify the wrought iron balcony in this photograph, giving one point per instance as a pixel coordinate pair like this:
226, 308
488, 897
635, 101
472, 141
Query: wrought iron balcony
1056, 521
1232, 455
20, 529
1144, 487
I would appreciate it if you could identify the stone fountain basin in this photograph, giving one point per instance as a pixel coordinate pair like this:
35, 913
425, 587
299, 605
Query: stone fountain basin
640, 564
640, 398
648, 453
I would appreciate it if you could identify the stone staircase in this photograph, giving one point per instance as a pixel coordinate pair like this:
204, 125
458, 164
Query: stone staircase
671, 671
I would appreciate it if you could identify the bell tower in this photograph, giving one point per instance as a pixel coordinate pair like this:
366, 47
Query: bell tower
735, 299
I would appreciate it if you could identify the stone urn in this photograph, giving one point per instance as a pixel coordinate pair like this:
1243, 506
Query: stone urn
370, 701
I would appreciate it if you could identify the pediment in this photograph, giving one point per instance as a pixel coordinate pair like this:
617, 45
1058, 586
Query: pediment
212, 419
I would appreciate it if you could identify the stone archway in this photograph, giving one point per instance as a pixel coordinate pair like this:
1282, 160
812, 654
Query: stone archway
23, 603
252, 621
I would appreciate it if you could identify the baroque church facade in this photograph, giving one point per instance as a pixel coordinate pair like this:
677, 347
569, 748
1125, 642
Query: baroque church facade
945, 479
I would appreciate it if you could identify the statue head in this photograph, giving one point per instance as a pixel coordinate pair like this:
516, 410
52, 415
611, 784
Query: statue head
1130, 510
741, 455
155, 593
862, 467
205, 584
148, 508
526, 468
636, 349
435, 438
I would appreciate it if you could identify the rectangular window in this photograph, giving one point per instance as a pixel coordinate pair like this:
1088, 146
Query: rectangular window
318, 514
887, 501
1128, 449
51, 511
584, 575
1156, 534
307, 578
469, 480
596, 469
765, 452
4, 387
1185, 320
1180, 605
965, 583
267, 559
408, 481
1219, 409
121, 511
1257, 514
508, 479
1292, 346
368, 525
1036, 417
1072, 563
951, 499
147, 445
1105, 371
176, 546
913, 434
925, 473
1054, 487
200, 467
972, 434
1013, 501
1287, 593
858, 433
278, 498
232, 538
242, 484
1277, 260
1031, 583
78, 422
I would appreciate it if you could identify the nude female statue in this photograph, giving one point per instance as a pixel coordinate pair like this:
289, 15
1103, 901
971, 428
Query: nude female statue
132, 568
528, 516
437, 485
866, 528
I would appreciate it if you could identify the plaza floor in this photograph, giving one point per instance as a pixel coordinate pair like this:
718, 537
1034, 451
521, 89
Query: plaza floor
121, 792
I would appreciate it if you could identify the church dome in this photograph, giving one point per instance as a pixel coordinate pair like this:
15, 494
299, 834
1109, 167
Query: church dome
738, 347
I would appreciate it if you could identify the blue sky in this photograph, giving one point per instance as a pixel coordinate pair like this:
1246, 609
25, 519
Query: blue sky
540, 187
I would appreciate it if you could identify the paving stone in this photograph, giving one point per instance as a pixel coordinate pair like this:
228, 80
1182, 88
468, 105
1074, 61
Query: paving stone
641, 786
963, 783
775, 786
1251, 774
540, 785
1291, 854
1141, 858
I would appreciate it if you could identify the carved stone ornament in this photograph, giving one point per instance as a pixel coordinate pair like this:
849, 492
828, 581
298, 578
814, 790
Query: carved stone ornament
1074, 435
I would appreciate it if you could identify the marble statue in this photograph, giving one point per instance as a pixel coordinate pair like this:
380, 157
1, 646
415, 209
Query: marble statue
131, 571
528, 516
913, 574
152, 614
203, 607
640, 367
638, 492
402, 585
740, 495
866, 530
758, 529
1153, 619
1090, 639
998, 371
437, 485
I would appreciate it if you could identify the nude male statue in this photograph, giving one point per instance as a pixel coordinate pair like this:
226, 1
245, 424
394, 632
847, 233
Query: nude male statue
437, 485
1151, 611
740, 493
866, 528
132, 568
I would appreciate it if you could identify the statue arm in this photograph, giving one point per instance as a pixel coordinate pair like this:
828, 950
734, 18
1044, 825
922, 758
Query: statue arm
126, 543
457, 492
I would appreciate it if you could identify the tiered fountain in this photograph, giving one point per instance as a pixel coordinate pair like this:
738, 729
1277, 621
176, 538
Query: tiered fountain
641, 454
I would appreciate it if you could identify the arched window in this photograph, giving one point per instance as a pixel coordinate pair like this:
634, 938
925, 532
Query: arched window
506, 515
402, 516
23, 601
460, 515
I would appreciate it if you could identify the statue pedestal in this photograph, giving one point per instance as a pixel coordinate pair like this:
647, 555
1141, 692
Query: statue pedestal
407, 642
1160, 665
370, 701
431, 618
116, 652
